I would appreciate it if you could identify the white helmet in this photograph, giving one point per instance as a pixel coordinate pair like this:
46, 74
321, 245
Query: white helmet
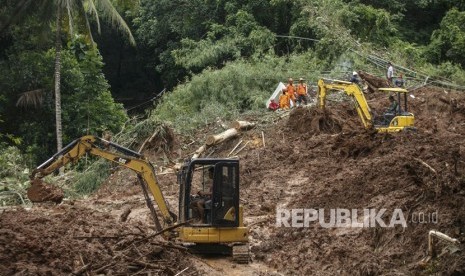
354, 73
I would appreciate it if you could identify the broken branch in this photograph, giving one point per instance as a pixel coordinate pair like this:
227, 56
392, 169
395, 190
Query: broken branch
234, 148
425, 164
199, 151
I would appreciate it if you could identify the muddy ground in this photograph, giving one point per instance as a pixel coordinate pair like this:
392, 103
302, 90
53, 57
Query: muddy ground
311, 159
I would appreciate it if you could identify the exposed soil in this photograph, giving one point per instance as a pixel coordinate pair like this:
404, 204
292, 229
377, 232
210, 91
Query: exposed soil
312, 159
316, 121
372, 82
40, 191
420, 173
72, 238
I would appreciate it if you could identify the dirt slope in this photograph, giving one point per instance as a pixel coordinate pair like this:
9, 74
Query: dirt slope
312, 159
73, 238
309, 163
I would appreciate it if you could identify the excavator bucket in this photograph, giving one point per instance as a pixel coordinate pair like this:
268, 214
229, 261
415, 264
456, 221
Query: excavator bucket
42, 192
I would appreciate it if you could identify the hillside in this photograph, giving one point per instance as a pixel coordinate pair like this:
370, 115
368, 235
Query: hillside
311, 160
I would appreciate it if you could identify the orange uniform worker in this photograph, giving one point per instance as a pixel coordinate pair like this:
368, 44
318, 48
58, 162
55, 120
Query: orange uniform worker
284, 100
291, 90
301, 92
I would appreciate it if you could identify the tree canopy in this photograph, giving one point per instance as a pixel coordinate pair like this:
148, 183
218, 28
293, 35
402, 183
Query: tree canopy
214, 57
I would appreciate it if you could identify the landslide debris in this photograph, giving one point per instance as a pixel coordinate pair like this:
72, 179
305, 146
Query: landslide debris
39, 191
72, 239
421, 173
314, 120
313, 159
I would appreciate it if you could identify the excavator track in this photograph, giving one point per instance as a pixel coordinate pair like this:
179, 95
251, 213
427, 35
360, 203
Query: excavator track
241, 254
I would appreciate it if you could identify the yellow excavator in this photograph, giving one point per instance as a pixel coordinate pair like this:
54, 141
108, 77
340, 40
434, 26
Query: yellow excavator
398, 120
220, 231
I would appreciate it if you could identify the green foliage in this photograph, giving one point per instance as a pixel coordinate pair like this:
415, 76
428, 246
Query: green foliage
91, 106
408, 54
238, 87
448, 42
87, 103
88, 181
447, 70
370, 24
203, 34
13, 174
241, 36
12, 165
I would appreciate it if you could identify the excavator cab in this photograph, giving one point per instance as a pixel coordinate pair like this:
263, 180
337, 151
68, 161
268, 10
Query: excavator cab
218, 183
400, 119
221, 224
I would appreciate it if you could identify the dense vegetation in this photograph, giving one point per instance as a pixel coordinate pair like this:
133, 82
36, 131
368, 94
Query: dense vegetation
216, 59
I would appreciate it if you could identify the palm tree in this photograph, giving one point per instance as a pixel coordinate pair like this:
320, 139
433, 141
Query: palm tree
80, 9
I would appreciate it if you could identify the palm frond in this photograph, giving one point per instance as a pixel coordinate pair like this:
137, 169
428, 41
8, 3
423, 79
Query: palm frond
109, 11
89, 6
33, 98
88, 29
70, 8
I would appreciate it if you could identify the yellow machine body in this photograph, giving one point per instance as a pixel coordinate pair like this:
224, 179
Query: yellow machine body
225, 226
402, 120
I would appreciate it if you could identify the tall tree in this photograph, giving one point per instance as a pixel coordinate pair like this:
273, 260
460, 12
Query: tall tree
58, 123
75, 9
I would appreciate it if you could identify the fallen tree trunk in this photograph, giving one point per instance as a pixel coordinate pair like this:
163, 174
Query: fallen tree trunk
219, 138
242, 125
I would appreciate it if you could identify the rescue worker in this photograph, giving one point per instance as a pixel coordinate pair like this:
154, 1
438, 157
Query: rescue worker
399, 82
284, 100
389, 74
301, 92
291, 91
354, 78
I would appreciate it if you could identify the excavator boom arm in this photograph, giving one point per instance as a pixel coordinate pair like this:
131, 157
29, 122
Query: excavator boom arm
353, 90
125, 157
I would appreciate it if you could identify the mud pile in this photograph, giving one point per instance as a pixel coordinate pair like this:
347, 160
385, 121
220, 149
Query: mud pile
313, 159
74, 239
41, 192
372, 82
420, 173
314, 120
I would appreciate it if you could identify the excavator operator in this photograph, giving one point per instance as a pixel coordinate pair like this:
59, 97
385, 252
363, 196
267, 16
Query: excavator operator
391, 111
203, 200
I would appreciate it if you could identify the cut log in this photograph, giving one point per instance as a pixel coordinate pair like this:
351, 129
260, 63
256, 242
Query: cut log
242, 125
373, 82
226, 135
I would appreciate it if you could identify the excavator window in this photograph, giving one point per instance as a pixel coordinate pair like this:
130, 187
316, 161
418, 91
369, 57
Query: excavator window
225, 200
215, 184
